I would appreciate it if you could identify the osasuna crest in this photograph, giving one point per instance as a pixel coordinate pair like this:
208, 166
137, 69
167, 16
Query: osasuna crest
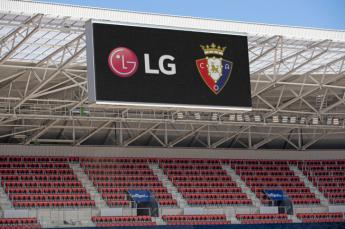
213, 69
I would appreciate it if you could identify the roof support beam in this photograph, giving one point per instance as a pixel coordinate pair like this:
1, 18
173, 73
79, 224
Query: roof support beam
227, 138
129, 141
83, 139
48, 79
176, 141
41, 132
22, 30
312, 142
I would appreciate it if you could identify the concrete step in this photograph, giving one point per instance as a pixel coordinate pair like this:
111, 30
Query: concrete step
159, 221
167, 183
5, 202
240, 183
233, 220
294, 219
310, 185
52, 218
87, 183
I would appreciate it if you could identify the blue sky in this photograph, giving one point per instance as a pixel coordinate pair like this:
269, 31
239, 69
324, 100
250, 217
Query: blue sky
328, 14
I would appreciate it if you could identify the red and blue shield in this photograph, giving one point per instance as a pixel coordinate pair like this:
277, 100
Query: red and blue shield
215, 72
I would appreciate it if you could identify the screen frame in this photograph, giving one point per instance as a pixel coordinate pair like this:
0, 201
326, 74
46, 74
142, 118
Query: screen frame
91, 76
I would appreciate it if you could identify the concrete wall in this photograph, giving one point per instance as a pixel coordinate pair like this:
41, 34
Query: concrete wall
99, 151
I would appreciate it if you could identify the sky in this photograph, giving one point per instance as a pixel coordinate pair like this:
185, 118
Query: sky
327, 14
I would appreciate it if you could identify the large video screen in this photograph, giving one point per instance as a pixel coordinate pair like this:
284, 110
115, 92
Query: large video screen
144, 66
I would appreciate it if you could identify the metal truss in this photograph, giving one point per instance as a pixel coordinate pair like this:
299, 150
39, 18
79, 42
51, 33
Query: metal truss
43, 95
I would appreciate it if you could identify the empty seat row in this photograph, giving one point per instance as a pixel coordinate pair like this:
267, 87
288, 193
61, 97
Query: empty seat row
33, 165
286, 189
321, 168
36, 171
306, 201
122, 221
260, 167
48, 197
39, 177
123, 178
187, 161
320, 215
69, 190
192, 172
167, 202
332, 189
118, 172
123, 190
291, 195
46, 184
12, 221
261, 216
199, 178
327, 178
8, 158
322, 162
266, 221
210, 190
271, 178
324, 173
219, 202
265, 173
126, 224
215, 195
327, 217
205, 184
190, 166
195, 219
127, 184
268, 184
329, 184
45, 204
116, 160
254, 162
108, 219
113, 166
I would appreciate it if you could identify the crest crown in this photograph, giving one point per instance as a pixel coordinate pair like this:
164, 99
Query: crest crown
213, 49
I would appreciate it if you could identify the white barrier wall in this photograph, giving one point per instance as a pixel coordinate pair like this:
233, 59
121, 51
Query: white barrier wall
337, 208
268, 210
111, 212
99, 151
16, 213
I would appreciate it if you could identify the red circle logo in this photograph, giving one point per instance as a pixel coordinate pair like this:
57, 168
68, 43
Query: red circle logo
123, 62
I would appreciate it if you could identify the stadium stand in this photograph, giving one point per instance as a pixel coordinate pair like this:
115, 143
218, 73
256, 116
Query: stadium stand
203, 182
49, 182
328, 177
122, 221
263, 218
19, 223
113, 177
321, 217
195, 219
40, 182
272, 174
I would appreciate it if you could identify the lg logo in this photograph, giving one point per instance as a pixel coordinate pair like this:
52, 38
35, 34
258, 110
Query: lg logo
124, 63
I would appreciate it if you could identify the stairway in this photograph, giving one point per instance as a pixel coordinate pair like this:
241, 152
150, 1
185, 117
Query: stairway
245, 189
5, 202
310, 185
158, 220
294, 219
181, 202
87, 183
